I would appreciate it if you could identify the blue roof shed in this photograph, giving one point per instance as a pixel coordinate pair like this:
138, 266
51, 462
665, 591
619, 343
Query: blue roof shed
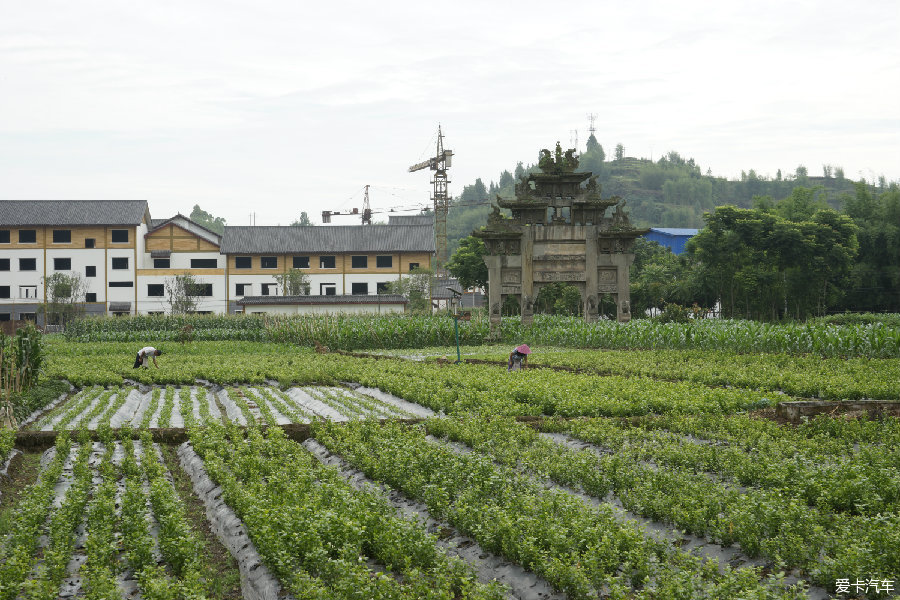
672, 238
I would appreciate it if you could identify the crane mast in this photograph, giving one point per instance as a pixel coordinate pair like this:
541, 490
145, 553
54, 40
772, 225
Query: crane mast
439, 163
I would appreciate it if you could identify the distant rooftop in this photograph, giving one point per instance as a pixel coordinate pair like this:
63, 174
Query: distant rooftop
328, 238
674, 231
73, 212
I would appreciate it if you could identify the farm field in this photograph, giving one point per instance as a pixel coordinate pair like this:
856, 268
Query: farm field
622, 474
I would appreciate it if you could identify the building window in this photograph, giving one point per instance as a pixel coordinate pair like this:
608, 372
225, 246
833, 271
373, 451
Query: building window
155, 312
28, 264
62, 236
4, 291
4, 236
327, 262
119, 236
202, 289
243, 289
359, 288
413, 266
243, 262
28, 316
384, 262
4, 264
301, 262
27, 291
161, 263
62, 264
90, 297
27, 236
359, 262
204, 263
5, 316
327, 289
120, 262
269, 289
156, 290
382, 287
90, 271
89, 242
268, 262
121, 284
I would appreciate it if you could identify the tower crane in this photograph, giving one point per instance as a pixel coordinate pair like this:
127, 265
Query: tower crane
366, 211
439, 163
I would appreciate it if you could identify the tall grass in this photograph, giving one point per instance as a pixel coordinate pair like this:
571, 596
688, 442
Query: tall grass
369, 332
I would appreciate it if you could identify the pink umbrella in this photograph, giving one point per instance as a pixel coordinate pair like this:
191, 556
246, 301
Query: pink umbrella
523, 349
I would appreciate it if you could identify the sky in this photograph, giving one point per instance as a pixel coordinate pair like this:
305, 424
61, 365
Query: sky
275, 107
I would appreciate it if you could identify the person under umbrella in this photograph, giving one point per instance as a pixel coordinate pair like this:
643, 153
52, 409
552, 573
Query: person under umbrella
518, 358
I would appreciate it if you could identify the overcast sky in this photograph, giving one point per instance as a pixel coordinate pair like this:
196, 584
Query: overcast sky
278, 107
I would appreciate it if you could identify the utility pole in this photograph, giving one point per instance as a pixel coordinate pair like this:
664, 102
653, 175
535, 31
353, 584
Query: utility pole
591, 118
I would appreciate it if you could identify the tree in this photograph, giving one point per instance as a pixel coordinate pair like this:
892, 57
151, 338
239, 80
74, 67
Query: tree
303, 221
620, 151
65, 298
520, 171
201, 217
293, 283
558, 298
467, 263
416, 287
182, 292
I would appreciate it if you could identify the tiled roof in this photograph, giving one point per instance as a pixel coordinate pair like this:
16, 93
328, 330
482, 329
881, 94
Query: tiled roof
427, 219
439, 287
185, 223
337, 238
72, 212
334, 299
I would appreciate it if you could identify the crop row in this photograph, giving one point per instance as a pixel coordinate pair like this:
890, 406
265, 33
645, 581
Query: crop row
448, 388
581, 549
807, 376
322, 537
349, 332
117, 540
775, 523
172, 406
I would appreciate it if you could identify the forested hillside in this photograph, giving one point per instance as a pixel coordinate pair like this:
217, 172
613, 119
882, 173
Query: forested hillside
669, 192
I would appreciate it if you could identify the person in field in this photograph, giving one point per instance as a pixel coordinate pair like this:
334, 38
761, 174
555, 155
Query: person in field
518, 358
144, 355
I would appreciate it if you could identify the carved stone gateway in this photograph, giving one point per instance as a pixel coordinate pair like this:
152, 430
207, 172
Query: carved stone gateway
559, 231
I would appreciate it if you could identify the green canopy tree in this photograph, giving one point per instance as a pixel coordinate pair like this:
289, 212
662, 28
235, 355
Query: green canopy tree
467, 263
201, 217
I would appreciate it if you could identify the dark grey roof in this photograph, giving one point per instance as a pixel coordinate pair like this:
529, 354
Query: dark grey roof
347, 299
157, 223
318, 239
72, 212
119, 306
439, 287
160, 253
427, 219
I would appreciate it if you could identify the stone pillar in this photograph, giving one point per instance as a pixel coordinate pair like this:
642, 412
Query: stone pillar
623, 295
494, 298
591, 299
527, 297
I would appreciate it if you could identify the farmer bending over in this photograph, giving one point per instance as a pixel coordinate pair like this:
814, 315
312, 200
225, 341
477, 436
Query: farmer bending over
518, 358
143, 356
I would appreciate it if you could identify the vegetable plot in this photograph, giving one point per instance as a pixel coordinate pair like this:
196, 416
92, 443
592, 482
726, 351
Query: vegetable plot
91, 408
117, 492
